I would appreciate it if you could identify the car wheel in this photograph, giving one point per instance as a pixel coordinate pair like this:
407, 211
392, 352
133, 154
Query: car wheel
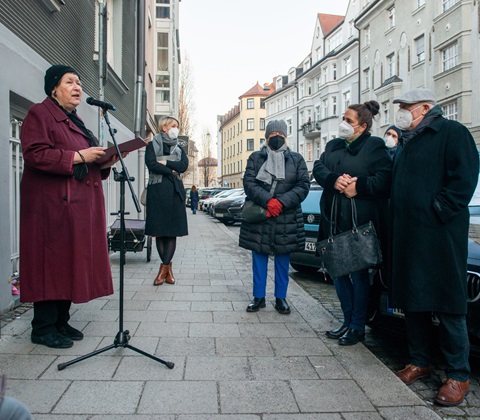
304, 268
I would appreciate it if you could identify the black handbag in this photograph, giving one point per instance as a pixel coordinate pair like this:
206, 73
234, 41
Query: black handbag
350, 251
254, 213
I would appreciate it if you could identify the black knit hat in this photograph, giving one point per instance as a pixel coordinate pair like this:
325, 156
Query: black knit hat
276, 126
54, 74
395, 128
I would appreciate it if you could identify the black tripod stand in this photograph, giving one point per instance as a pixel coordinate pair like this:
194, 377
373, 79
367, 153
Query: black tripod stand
122, 337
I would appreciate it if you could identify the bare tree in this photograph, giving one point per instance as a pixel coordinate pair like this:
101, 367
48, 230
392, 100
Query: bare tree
207, 163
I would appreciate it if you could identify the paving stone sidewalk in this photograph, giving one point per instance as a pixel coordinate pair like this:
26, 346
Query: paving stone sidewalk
229, 364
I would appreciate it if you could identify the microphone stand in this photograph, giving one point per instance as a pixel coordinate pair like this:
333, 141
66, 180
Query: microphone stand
122, 338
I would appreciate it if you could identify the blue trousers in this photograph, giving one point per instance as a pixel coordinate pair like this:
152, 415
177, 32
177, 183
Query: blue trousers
352, 291
260, 270
453, 341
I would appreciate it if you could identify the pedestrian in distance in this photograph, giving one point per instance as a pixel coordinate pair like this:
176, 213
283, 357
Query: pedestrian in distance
435, 173
63, 241
354, 165
194, 199
392, 137
166, 213
282, 232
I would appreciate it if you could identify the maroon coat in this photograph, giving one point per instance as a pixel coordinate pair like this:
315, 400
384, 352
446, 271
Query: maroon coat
63, 235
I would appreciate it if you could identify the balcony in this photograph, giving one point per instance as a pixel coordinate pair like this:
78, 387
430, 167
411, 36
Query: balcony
311, 129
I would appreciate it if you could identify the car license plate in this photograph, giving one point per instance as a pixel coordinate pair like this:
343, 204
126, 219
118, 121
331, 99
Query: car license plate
310, 246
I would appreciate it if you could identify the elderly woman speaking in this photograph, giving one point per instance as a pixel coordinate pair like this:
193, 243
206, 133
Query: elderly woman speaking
63, 241
277, 179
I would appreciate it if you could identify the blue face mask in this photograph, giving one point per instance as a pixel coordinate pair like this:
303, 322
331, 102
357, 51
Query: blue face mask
276, 142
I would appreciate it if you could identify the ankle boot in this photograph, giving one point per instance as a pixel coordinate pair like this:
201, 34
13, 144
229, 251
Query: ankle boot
161, 276
170, 279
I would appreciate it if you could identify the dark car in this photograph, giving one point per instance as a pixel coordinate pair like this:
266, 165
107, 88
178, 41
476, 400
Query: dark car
229, 210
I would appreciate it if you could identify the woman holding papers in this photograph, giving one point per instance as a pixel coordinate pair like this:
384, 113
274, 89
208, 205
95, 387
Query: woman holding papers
166, 211
63, 241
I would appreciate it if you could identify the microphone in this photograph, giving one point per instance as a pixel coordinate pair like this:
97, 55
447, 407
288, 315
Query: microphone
101, 104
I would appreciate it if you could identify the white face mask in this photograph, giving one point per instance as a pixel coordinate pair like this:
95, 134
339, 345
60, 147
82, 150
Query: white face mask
389, 141
404, 118
173, 133
345, 130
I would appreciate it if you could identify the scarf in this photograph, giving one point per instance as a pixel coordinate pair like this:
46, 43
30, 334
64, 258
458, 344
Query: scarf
175, 154
274, 166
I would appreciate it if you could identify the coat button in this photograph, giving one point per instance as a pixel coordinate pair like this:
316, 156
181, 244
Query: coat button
95, 184
88, 182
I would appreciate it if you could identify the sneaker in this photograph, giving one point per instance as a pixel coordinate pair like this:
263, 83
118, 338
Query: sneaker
52, 339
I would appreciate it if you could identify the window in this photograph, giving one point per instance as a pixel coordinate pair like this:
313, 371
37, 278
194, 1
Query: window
325, 74
347, 98
250, 124
391, 17
335, 40
334, 71
162, 51
450, 57
325, 108
285, 102
334, 105
250, 103
309, 152
447, 4
162, 88
420, 48
366, 78
114, 21
309, 87
289, 127
390, 65
367, 35
250, 144
262, 123
347, 65
386, 113
450, 110
163, 9
302, 90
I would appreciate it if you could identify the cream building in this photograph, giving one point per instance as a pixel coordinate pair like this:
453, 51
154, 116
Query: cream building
242, 131
421, 43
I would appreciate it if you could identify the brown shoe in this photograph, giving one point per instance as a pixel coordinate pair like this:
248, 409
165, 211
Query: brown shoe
161, 276
452, 392
170, 279
411, 373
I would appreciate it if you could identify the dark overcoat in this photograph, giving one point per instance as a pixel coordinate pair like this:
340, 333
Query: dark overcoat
193, 199
166, 211
63, 235
434, 177
283, 234
367, 159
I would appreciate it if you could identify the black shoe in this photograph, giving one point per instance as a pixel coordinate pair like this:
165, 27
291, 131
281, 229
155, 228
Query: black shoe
53, 339
256, 304
351, 337
337, 333
70, 332
281, 306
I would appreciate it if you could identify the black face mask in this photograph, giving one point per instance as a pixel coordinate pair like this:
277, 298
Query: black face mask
276, 142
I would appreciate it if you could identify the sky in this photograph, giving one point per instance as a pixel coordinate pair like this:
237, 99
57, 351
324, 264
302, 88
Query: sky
231, 45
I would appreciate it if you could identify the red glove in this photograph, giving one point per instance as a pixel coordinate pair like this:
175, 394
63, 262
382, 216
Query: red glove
274, 207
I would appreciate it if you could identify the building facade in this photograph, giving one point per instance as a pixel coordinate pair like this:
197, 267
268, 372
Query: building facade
421, 44
99, 39
242, 131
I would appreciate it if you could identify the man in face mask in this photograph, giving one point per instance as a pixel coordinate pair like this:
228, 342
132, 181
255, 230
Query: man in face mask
434, 177
391, 137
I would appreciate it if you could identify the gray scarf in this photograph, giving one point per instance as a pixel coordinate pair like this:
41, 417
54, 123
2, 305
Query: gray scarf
175, 154
274, 166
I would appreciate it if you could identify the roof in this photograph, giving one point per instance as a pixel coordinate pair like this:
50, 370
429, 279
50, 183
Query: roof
257, 90
208, 161
328, 22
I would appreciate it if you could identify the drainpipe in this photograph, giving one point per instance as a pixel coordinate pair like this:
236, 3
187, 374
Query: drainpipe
298, 139
359, 58
102, 62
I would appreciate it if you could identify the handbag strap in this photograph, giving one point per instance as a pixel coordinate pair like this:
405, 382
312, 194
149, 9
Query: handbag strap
333, 215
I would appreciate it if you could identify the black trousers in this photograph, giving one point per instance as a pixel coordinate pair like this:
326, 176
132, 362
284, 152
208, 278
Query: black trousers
49, 314
453, 342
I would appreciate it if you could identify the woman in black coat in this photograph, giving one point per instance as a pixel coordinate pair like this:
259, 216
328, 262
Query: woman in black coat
282, 232
166, 213
194, 199
355, 165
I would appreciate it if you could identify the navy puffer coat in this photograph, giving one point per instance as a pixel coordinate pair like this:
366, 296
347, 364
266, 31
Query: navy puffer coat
283, 234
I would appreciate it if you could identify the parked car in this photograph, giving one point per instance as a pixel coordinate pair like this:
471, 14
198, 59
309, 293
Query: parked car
207, 204
229, 210
306, 261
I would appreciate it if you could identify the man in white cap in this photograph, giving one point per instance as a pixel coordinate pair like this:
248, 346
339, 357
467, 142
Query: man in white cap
435, 173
